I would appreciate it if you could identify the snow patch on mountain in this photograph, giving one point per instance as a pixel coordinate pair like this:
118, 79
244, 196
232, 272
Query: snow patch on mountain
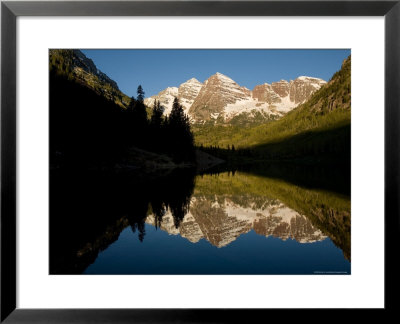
166, 98
240, 106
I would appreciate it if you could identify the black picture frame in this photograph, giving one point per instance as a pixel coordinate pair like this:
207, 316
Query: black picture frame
10, 10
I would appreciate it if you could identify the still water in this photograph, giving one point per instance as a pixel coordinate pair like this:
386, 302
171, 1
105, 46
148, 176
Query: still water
183, 223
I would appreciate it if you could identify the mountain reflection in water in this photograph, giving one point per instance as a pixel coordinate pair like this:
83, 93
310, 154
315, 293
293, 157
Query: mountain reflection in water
221, 222
204, 218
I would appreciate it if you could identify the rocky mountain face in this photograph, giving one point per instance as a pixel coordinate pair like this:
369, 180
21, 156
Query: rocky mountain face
217, 92
221, 221
188, 92
75, 65
220, 99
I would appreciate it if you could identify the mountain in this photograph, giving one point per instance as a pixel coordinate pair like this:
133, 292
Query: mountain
75, 65
215, 97
319, 127
220, 99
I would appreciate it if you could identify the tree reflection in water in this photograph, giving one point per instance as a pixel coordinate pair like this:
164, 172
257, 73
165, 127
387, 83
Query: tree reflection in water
88, 212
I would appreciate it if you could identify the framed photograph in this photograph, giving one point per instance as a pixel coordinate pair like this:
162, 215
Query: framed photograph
196, 161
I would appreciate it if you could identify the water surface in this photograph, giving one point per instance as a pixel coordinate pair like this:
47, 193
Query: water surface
182, 223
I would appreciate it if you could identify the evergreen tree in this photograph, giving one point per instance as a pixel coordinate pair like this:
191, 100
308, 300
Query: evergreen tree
127, 122
140, 94
139, 119
156, 137
139, 108
177, 116
156, 117
180, 136
131, 104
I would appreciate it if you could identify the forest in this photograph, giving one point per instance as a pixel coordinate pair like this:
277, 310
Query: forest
89, 131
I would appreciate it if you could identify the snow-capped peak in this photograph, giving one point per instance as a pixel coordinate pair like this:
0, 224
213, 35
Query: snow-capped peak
306, 78
223, 77
193, 80
172, 90
188, 91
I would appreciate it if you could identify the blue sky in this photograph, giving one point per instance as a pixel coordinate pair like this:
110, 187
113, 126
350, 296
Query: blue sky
157, 69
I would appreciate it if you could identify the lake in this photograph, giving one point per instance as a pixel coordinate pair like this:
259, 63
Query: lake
251, 221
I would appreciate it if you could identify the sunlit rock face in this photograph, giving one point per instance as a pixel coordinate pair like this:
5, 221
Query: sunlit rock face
281, 88
188, 92
265, 93
220, 98
303, 87
217, 92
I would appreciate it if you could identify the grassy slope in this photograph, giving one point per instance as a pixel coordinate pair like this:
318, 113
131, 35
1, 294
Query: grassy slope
328, 110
